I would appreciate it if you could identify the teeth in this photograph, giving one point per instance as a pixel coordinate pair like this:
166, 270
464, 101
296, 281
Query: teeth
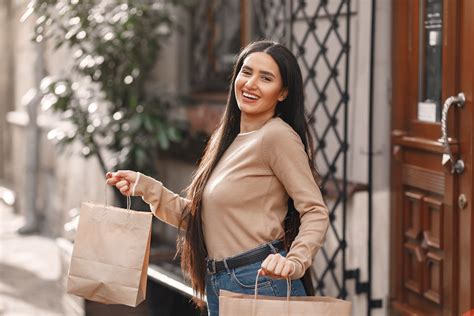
251, 96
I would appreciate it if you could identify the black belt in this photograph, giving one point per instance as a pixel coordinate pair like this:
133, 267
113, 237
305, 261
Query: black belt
243, 259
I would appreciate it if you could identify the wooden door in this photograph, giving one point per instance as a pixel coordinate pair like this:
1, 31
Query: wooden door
431, 205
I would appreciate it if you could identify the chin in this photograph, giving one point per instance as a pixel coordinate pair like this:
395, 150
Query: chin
248, 110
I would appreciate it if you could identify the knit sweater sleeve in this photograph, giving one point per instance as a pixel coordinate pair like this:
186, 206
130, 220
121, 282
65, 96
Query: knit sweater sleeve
284, 152
164, 204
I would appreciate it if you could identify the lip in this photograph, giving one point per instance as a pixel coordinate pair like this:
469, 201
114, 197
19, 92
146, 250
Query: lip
247, 99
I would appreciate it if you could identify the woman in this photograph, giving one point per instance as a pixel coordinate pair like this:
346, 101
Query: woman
254, 203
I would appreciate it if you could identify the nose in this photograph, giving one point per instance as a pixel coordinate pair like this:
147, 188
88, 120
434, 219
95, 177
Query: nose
251, 82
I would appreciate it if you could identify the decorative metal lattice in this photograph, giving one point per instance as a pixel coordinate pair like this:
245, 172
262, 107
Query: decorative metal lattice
318, 33
271, 20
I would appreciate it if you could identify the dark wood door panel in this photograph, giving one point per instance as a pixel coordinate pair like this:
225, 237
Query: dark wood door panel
433, 277
423, 179
423, 159
433, 222
412, 215
432, 250
413, 267
403, 309
423, 252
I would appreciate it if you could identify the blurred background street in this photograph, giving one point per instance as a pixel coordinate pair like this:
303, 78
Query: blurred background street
31, 281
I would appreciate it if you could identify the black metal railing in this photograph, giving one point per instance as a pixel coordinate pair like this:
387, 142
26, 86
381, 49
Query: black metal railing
318, 32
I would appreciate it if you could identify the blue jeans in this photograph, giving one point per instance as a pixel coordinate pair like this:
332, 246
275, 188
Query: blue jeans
242, 280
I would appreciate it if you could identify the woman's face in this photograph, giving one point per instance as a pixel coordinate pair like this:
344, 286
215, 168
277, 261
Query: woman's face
258, 86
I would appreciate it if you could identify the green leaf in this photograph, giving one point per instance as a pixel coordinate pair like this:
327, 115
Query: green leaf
173, 134
163, 139
140, 155
148, 123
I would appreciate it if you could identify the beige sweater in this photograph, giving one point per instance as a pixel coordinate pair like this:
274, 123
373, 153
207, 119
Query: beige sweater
245, 199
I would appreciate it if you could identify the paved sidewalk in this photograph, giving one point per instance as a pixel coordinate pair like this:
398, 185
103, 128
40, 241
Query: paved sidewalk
30, 271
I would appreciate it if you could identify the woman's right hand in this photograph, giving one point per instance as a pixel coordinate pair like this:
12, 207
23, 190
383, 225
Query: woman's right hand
124, 180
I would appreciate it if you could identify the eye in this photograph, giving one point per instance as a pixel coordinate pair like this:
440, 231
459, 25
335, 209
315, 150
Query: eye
266, 78
245, 72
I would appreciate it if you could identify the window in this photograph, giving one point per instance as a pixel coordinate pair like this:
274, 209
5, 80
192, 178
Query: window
216, 39
430, 67
219, 29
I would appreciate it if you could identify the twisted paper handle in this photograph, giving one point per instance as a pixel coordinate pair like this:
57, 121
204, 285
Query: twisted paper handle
288, 293
129, 200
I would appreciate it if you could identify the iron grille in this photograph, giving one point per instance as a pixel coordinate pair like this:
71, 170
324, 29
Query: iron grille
318, 33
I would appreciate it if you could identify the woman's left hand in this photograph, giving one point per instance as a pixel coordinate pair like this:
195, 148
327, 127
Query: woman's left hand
276, 266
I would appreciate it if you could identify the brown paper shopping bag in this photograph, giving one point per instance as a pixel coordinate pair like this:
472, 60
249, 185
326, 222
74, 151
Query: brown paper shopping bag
110, 257
236, 304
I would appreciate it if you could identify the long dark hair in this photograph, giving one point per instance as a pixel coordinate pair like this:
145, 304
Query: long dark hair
191, 240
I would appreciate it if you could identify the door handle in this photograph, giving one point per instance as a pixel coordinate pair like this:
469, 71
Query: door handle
457, 166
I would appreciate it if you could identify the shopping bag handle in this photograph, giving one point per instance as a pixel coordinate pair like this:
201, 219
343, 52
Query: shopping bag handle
288, 286
129, 200
288, 292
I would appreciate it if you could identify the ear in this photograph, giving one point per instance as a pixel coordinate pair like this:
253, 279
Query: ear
283, 94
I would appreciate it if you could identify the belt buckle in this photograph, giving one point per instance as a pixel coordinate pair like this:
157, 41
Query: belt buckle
211, 263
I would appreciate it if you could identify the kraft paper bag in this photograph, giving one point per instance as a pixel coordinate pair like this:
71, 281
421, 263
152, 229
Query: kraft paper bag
236, 304
110, 256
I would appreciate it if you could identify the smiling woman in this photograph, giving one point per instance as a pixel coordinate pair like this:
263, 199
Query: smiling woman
254, 205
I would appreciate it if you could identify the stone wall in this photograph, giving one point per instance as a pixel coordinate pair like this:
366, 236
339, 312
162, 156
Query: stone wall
6, 96
20, 80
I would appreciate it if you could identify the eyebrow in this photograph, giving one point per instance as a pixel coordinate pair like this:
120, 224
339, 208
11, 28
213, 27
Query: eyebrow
268, 73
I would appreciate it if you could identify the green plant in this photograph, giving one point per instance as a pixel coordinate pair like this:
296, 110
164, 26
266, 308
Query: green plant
103, 100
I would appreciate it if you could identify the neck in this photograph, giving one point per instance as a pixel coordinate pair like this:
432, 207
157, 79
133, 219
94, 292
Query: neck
250, 123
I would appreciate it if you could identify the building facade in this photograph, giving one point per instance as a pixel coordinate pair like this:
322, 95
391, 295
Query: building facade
376, 78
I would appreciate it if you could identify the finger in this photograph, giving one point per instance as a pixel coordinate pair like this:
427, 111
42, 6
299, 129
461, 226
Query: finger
124, 190
121, 173
126, 174
113, 178
112, 181
285, 272
293, 268
116, 175
272, 264
121, 184
280, 264
265, 262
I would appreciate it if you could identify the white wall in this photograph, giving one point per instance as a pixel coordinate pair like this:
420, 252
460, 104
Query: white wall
170, 74
23, 71
358, 151
5, 88
359, 104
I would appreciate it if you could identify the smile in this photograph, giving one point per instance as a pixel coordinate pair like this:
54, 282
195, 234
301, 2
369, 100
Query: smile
249, 95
